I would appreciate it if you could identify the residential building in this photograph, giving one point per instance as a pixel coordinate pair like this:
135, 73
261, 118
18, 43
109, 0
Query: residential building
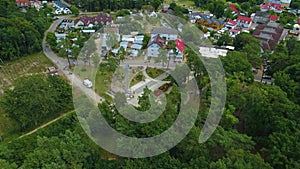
210, 21
285, 3
67, 24
230, 24
154, 45
23, 3
234, 32
60, 36
269, 35
179, 49
167, 33
139, 39
274, 18
86, 21
260, 17
244, 22
271, 6
37, 4
233, 8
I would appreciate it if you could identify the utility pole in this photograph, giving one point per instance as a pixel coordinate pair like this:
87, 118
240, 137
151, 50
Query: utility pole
68, 51
127, 76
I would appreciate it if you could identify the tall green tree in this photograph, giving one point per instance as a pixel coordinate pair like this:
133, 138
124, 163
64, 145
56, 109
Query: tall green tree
34, 98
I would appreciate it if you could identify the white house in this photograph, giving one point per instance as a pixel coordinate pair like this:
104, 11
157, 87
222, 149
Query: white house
244, 22
154, 45
127, 38
60, 36
139, 39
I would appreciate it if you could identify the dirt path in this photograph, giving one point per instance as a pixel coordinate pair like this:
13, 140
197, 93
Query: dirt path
45, 125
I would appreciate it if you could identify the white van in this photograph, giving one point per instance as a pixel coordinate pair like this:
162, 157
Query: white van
87, 83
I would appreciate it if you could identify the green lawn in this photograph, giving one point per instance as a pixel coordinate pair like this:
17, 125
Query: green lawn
154, 72
103, 83
137, 78
186, 3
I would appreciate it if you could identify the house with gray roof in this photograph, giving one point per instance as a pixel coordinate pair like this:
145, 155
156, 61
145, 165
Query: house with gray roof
154, 45
167, 33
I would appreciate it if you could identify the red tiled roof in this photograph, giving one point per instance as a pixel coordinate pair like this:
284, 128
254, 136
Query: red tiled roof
273, 17
232, 22
268, 5
244, 19
23, 2
264, 7
235, 30
233, 8
179, 44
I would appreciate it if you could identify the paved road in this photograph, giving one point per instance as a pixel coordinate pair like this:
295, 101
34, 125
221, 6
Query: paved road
61, 63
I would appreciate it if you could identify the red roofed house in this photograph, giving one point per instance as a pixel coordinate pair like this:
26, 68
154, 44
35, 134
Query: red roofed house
273, 17
179, 48
233, 8
244, 22
271, 6
230, 24
234, 32
23, 3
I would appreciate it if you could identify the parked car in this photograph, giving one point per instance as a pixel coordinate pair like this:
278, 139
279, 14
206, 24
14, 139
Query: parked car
52, 70
87, 83
267, 77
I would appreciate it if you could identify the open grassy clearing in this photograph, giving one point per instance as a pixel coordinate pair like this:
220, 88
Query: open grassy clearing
186, 3
36, 63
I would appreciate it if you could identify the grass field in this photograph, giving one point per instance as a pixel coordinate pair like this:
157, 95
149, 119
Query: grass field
137, 78
36, 63
153, 72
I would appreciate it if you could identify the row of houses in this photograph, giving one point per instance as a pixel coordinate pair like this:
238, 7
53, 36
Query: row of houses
132, 43
207, 20
90, 21
86, 22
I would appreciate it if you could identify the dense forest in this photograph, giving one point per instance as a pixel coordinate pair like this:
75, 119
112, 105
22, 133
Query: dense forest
21, 33
95, 5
